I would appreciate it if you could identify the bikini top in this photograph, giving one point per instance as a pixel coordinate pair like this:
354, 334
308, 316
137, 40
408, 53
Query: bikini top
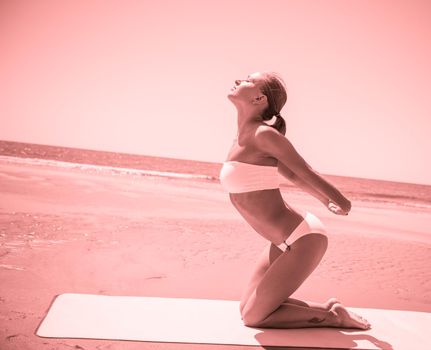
237, 177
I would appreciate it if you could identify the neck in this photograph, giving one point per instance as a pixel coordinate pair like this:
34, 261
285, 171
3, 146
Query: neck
247, 118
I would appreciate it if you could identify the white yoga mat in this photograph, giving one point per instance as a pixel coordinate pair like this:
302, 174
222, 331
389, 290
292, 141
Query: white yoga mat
208, 321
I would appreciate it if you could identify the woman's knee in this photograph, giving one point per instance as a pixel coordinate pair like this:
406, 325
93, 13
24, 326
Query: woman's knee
249, 320
250, 323
242, 304
251, 313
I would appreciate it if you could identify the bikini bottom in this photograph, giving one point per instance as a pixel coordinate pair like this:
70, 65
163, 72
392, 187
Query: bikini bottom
310, 224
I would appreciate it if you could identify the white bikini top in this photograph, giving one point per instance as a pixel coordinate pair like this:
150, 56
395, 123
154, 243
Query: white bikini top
237, 177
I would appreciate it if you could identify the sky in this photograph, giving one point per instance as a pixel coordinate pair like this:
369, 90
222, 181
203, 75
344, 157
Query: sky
152, 77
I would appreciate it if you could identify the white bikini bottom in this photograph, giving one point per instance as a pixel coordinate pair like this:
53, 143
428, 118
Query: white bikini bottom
310, 224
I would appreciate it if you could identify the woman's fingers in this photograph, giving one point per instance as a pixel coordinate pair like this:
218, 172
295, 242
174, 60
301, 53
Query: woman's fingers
336, 209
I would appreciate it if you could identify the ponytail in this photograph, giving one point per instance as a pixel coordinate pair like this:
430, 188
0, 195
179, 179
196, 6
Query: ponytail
275, 91
279, 124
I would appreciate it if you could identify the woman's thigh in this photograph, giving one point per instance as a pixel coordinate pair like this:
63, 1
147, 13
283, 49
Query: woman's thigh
285, 275
268, 256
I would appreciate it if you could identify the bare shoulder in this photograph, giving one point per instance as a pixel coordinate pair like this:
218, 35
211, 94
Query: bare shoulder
266, 136
266, 129
272, 142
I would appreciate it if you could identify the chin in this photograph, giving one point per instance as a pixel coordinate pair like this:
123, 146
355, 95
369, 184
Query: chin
231, 95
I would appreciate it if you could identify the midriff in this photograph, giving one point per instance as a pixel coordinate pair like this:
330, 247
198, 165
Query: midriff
267, 213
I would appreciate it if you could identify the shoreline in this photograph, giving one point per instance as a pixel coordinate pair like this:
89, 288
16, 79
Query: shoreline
193, 178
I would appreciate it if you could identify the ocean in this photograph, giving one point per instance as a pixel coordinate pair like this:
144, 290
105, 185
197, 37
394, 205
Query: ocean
399, 194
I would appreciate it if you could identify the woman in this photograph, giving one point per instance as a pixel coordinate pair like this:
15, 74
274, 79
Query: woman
298, 240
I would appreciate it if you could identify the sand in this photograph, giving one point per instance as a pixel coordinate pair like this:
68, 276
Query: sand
69, 231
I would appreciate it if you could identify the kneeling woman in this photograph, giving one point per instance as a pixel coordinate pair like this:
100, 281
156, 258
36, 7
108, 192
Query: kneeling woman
298, 240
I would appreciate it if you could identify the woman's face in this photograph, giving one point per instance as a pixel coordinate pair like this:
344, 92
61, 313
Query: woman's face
247, 89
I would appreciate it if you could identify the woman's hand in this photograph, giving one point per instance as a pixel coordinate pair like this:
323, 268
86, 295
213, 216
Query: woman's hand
336, 209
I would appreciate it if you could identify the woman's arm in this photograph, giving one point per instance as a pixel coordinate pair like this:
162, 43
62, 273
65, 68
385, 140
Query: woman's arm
292, 177
272, 142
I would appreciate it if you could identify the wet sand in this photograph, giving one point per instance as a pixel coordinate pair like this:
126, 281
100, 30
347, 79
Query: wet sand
70, 231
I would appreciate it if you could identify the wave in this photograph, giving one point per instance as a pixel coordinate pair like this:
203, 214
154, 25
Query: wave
105, 168
390, 199
393, 196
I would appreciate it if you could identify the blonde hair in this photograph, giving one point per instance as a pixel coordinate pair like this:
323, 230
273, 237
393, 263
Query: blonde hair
274, 88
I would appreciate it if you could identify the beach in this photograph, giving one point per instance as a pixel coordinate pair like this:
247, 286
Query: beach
67, 230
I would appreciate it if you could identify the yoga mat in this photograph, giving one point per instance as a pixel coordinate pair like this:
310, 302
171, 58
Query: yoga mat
210, 321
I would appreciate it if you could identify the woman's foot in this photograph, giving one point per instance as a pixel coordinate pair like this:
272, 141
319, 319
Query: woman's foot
331, 302
319, 306
348, 319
